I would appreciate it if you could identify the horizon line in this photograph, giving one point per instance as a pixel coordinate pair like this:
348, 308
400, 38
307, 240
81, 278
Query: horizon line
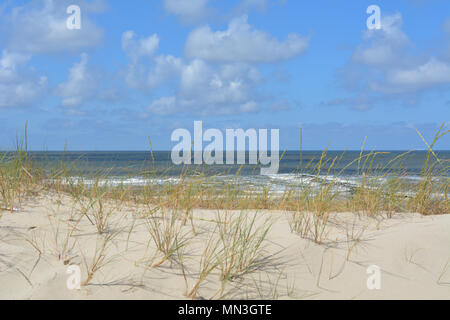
281, 151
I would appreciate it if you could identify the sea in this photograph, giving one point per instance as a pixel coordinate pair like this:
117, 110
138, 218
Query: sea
297, 169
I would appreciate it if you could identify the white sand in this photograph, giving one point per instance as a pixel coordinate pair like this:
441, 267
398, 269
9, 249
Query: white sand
412, 251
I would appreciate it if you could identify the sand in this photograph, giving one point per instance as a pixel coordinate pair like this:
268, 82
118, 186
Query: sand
411, 251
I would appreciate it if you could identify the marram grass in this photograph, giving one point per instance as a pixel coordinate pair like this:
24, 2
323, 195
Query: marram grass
235, 249
21, 177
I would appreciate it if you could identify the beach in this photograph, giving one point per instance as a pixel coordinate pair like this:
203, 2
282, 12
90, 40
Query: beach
237, 151
52, 232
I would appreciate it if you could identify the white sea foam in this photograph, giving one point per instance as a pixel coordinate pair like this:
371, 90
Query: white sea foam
117, 181
276, 184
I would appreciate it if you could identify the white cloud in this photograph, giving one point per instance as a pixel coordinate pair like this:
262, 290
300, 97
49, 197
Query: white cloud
138, 48
218, 75
164, 69
81, 84
39, 27
134, 76
17, 88
382, 48
205, 89
12, 60
429, 74
384, 66
147, 70
241, 43
226, 88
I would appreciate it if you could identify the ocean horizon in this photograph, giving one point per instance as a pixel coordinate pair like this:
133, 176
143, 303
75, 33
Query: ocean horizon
296, 169
126, 162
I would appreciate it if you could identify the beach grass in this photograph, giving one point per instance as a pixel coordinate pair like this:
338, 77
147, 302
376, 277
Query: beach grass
234, 248
381, 191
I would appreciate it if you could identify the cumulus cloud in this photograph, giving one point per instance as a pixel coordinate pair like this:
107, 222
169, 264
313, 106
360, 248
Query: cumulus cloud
382, 48
214, 87
384, 67
146, 69
19, 87
431, 73
35, 28
205, 89
40, 27
81, 84
164, 69
84, 84
138, 48
242, 43
218, 74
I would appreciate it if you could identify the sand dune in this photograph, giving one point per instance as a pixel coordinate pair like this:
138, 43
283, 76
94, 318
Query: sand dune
36, 249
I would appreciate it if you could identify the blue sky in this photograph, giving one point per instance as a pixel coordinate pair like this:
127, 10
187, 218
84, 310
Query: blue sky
144, 68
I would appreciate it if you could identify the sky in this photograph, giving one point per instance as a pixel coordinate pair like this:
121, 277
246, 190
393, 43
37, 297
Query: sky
139, 69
